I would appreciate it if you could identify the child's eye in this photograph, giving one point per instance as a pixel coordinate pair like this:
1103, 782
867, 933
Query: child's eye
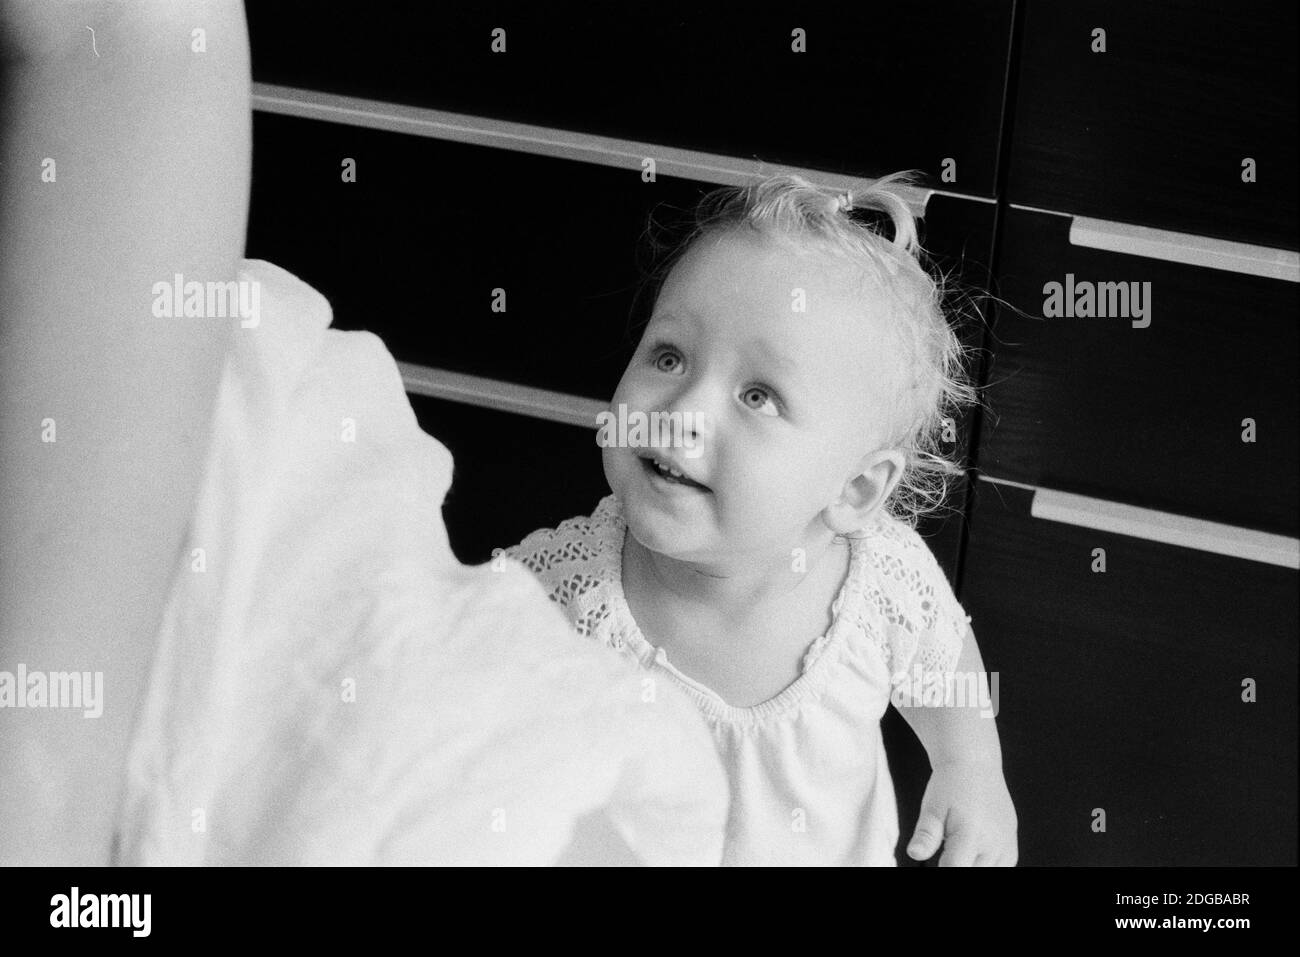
666, 360
759, 399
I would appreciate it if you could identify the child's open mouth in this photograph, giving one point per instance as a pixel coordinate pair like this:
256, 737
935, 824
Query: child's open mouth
670, 475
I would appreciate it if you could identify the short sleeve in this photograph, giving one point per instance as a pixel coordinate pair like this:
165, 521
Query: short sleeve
924, 623
575, 562
332, 687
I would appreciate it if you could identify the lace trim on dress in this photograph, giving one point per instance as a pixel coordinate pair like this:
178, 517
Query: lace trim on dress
895, 599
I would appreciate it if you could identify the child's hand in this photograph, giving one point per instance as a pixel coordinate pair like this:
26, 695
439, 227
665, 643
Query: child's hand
967, 808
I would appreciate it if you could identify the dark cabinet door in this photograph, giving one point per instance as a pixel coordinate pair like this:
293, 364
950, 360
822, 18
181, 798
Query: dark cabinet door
1149, 415
1121, 691
418, 262
1155, 130
865, 98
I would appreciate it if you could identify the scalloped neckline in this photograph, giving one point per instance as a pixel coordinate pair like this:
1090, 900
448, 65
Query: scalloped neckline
814, 666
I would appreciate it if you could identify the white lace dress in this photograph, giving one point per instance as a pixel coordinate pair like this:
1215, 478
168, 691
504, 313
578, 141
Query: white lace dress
807, 770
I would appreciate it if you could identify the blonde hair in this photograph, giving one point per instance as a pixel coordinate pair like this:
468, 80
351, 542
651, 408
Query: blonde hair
790, 209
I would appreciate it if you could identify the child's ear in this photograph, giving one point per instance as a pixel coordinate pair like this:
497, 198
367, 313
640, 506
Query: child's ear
877, 476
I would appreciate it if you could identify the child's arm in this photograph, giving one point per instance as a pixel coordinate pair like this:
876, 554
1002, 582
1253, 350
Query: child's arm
124, 160
966, 803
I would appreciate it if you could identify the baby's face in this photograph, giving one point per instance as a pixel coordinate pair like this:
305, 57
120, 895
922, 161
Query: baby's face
785, 403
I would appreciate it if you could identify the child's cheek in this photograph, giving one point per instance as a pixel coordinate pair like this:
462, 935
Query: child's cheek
615, 470
772, 478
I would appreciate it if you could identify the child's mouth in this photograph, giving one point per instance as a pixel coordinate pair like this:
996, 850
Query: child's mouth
669, 475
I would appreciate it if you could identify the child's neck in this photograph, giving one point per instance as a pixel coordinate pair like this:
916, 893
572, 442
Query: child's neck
741, 628
742, 587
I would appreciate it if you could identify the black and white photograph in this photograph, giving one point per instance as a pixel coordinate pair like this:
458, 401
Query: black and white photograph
481, 435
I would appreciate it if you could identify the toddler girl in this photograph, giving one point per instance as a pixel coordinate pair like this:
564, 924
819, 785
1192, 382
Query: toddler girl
765, 560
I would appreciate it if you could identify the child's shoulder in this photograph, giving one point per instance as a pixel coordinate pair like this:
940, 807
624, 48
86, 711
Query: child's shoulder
893, 543
900, 576
577, 554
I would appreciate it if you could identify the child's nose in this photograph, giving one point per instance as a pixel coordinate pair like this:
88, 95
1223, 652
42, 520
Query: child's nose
692, 411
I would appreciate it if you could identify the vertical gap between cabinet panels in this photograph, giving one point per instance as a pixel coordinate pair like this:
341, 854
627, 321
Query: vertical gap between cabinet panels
1002, 165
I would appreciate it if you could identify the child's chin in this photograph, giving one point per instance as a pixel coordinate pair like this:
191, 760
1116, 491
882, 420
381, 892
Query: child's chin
656, 529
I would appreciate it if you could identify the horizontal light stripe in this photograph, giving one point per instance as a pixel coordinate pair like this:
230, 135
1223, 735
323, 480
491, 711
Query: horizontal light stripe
1166, 527
1002, 481
1156, 526
548, 141
1185, 248
1038, 209
502, 396
987, 200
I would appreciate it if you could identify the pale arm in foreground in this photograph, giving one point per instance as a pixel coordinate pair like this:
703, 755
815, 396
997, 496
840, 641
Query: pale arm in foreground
150, 143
